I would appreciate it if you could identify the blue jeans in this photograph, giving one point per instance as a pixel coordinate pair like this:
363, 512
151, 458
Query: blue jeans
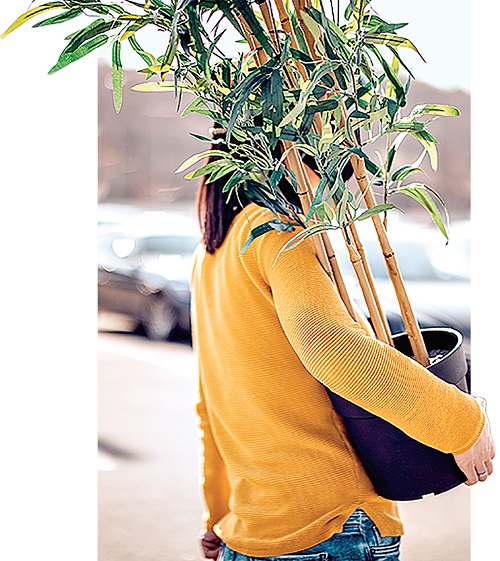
358, 541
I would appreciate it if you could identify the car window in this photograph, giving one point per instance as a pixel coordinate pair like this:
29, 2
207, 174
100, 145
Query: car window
422, 262
169, 245
417, 261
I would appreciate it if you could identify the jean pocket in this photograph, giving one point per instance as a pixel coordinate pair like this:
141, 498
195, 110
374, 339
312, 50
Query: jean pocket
387, 549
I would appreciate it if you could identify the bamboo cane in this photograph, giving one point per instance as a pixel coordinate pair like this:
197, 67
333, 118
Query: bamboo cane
409, 319
269, 20
287, 27
369, 277
357, 254
299, 6
379, 325
325, 249
259, 55
322, 243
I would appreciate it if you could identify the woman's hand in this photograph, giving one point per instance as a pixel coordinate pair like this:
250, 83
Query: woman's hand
476, 463
211, 545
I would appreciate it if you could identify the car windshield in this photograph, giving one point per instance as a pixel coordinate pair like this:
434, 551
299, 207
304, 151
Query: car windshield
422, 262
418, 260
169, 245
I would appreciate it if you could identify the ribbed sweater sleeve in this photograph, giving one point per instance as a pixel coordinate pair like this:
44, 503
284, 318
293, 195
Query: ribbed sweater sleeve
363, 370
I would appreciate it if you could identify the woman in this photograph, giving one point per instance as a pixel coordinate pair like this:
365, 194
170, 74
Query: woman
280, 476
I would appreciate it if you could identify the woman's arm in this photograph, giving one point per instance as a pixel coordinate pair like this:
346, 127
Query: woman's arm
363, 370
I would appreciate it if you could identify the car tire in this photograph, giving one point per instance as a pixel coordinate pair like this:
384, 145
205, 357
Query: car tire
160, 321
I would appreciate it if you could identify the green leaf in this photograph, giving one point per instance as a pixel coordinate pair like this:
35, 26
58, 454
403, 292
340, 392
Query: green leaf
417, 130
96, 28
245, 9
194, 107
61, 18
391, 75
148, 58
227, 9
392, 40
224, 170
169, 55
321, 70
325, 213
403, 172
358, 13
377, 209
132, 29
421, 193
274, 224
241, 93
197, 157
206, 169
304, 234
117, 75
315, 30
255, 233
31, 14
235, 179
342, 208
435, 109
68, 58
201, 137
429, 143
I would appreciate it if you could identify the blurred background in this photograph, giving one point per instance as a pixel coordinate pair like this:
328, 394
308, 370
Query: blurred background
150, 506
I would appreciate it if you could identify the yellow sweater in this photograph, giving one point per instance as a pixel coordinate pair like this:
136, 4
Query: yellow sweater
279, 472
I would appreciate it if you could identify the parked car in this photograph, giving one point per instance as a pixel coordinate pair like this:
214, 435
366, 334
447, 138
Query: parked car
436, 275
144, 272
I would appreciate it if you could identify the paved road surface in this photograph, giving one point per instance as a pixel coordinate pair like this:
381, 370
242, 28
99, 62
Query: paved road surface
149, 500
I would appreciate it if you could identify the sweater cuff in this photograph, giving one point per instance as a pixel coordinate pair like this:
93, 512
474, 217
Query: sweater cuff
470, 443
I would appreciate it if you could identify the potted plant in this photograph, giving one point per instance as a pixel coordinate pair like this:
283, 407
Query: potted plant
314, 90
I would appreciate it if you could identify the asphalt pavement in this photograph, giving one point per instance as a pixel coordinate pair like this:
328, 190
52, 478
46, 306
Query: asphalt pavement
150, 506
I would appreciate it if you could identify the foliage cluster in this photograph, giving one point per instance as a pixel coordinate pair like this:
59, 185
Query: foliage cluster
329, 88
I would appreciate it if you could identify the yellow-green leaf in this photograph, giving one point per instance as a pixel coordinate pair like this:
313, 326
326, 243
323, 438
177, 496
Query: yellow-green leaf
392, 40
162, 87
197, 157
435, 109
31, 14
117, 76
314, 28
327, 134
389, 89
429, 145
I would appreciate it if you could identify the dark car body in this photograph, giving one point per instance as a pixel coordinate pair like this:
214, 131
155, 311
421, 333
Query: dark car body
144, 273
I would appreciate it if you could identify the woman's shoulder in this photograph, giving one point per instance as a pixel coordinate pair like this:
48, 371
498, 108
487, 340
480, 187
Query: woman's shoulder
262, 235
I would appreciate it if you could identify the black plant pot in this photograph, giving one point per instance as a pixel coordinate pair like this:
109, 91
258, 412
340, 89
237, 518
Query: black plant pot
400, 467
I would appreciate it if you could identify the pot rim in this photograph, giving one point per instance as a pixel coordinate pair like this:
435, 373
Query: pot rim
449, 330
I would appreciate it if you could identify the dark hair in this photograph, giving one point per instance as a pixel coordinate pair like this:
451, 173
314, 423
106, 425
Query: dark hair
217, 210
